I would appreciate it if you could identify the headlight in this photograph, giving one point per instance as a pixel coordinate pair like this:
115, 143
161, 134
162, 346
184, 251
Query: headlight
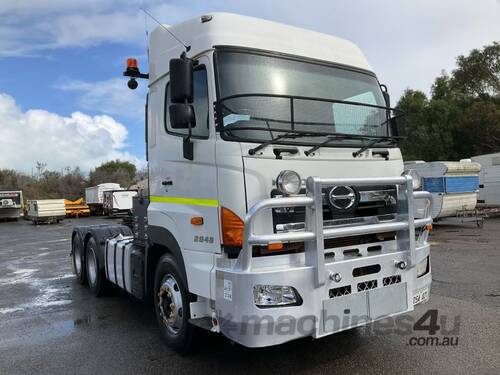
288, 182
275, 295
415, 178
423, 267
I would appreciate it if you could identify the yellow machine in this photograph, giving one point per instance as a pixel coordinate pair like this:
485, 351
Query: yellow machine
76, 208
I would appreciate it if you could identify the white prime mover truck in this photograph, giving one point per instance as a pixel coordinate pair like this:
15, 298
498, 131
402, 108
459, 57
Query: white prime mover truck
118, 202
11, 204
94, 196
276, 190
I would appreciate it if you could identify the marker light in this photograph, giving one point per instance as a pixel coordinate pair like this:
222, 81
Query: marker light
288, 182
232, 228
197, 220
276, 246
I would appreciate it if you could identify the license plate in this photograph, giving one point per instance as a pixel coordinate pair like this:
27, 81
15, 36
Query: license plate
420, 296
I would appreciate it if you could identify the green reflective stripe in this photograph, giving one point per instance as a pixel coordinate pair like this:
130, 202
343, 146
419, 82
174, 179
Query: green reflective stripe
187, 201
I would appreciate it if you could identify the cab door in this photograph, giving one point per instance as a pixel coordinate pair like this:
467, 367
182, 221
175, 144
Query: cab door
183, 193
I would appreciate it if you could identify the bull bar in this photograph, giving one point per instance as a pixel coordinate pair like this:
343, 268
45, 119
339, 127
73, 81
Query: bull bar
315, 233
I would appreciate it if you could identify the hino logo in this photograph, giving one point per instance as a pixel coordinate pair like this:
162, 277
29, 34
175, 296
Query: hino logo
342, 197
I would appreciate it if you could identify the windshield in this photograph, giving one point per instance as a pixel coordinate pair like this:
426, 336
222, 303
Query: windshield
278, 94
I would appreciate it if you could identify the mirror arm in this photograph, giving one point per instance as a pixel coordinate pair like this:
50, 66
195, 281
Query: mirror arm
187, 145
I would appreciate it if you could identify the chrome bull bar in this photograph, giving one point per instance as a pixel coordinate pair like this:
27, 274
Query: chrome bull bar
314, 233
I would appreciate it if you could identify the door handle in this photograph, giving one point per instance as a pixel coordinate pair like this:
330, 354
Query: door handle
167, 183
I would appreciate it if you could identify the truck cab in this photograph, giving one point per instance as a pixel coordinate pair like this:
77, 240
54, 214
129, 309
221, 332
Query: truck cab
277, 191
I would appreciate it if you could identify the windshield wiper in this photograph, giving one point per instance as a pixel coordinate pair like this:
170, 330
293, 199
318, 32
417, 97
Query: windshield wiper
293, 134
324, 143
372, 143
352, 136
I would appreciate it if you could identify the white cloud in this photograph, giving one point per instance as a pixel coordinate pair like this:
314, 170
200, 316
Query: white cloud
112, 96
33, 28
59, 141
407, 42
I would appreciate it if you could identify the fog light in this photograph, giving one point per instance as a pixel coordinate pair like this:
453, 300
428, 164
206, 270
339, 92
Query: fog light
423, 267
275, 295
288, 182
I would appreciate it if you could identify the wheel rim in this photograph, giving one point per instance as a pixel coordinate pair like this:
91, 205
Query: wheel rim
77, 255
92, 267
170, 304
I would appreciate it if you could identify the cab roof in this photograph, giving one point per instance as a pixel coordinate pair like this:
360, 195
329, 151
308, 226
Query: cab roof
226, 29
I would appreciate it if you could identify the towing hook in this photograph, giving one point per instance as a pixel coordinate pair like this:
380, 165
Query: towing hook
337, 277
400, 264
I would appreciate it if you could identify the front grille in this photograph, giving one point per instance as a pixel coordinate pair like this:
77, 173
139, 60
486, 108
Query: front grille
380, 201
338, 292
390, 280
367, 285
331, 243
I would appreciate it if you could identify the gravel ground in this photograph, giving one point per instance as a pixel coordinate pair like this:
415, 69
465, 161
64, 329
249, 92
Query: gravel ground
49, 324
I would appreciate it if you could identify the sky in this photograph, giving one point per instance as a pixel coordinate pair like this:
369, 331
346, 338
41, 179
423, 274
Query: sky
64, 102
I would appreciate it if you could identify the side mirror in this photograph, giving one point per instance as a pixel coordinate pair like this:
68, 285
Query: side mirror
396, 127
182, 116
387, 97
181, 80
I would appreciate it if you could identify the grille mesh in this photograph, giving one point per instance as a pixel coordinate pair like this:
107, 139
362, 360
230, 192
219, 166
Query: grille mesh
390, 280
367, 285
338, 292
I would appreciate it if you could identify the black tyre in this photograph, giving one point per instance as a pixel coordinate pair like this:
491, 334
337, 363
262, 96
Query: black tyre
78, 259
95, 276
171, 302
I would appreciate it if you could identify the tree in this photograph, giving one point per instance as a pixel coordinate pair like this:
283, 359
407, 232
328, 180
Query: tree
478, 74
414, 104
117, 171
462, 116
480, 127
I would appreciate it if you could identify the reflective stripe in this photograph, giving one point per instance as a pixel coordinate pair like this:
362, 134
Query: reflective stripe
187, 201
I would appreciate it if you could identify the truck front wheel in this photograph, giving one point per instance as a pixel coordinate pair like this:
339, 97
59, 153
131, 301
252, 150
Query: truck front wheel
171, 300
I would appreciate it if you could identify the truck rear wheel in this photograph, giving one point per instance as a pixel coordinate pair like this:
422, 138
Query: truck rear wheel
95, 276
171, 301
78, 258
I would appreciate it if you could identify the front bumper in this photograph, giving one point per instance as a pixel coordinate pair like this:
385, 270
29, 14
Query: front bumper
327, 306
319, 314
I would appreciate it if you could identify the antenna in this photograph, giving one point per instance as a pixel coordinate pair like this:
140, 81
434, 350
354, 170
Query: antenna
167, 30
147, 33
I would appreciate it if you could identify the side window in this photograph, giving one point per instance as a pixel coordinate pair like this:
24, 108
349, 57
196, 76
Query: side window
200, 104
